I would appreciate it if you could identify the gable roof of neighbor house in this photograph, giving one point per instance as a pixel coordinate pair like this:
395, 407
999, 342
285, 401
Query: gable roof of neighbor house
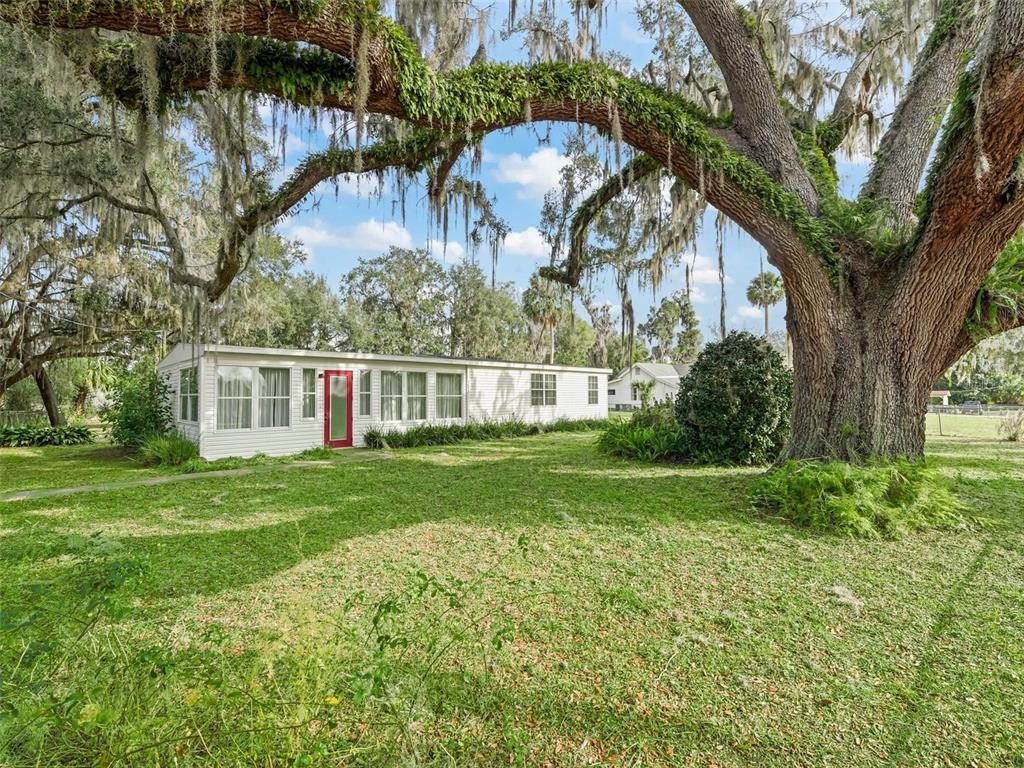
667, 373
184, 351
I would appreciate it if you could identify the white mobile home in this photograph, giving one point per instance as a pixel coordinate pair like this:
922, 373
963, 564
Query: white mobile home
240, 401
625, 387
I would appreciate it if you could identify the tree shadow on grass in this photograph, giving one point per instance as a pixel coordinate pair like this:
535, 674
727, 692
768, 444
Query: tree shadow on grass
534, 486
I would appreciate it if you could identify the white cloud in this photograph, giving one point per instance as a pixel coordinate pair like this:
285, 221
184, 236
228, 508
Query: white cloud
377, 236
699, 296
314, 234
453, 253
536, 174
751, 312
370, 237
705, 271
529, 243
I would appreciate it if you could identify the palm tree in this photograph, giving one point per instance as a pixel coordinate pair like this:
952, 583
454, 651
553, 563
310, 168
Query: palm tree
765, 291
541, 304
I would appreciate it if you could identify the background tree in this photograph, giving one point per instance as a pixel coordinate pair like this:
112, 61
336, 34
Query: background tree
885, 291
542, 303
401, 295
672, 327
484, 322
765, 291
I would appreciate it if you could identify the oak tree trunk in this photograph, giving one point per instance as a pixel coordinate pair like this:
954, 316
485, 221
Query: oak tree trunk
48, 396
861, 381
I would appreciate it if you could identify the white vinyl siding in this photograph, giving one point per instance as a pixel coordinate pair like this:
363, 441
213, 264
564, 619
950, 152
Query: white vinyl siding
592, 390
390, 396
542, 389
309, 393
188, 394
489, 392
274, 397
416, 396
234, 397
365, 393
449, 396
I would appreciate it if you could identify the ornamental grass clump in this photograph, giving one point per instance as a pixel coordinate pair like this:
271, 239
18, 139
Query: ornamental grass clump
882, 500
171, 450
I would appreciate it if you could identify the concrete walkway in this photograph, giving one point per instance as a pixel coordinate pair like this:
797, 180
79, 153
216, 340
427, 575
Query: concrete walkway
42, 493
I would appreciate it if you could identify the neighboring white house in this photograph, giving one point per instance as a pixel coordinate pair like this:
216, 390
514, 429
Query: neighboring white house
240, 401
625, 387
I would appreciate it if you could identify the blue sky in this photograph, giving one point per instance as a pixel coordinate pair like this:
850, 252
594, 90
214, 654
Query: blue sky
517, 170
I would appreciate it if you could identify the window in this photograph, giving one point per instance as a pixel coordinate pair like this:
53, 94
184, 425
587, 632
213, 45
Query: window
635, 392
274, 397
591, 390
309, 393
449, 395
416, 393
611, 393
390, 396
542, 389
365, 388
234, 397
188, 394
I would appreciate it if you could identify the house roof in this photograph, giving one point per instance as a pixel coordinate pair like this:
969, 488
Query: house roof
668, 373
184, 351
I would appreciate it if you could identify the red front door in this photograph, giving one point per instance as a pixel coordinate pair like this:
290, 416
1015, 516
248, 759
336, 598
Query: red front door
338, 408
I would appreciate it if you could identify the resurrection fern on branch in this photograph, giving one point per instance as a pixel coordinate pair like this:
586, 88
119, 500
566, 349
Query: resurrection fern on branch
883, 291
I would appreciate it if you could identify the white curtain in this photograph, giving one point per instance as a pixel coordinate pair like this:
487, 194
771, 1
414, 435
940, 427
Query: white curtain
416, 390
234, 397
390, 396
449, 395
274, 397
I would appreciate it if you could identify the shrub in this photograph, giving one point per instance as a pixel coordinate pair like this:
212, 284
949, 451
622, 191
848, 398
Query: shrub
172, 450
1012, 426
140, 407
40, 434
733, 406
447, 434
884, 500
636, 440
659, 414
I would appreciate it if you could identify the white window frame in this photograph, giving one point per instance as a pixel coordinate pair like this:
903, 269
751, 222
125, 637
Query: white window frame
258, 396
366, 391
308, 394
400, 397
593, 393
546, 392
249, 397
191, 405
438, 397
425, 397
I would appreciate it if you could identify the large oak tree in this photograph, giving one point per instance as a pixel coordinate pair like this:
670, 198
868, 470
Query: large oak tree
884, 292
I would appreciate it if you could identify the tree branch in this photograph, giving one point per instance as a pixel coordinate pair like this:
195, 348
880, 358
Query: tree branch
570, 272
758, 118
972, 202
758, 182
907, 144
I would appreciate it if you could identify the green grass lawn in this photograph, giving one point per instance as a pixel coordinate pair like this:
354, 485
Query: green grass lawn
956, 425
529, 603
